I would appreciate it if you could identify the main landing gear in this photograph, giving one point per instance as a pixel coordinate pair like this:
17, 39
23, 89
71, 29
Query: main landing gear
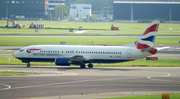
90, 65
28, 65
84, 66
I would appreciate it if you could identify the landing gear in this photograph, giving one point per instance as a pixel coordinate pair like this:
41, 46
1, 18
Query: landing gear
90, 65
28, 65
82, 65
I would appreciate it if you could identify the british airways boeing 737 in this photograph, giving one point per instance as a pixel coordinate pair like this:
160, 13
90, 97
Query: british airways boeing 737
64, 55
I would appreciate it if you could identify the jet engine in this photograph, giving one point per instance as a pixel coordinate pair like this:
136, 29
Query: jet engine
62, 61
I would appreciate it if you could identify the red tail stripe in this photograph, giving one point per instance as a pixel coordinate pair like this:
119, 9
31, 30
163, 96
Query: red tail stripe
153, 51
153, 28
141, 46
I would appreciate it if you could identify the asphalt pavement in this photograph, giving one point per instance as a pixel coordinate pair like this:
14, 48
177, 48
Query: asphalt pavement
53, 82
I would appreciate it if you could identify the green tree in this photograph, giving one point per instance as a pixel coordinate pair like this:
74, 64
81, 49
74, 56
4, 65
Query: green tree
60, 11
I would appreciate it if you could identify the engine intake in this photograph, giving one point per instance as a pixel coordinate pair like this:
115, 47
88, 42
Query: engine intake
62, 61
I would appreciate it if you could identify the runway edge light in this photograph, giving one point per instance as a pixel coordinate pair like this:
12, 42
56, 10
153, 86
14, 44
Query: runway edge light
9, 60
165, 96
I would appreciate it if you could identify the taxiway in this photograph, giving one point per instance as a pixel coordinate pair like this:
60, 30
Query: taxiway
53, 82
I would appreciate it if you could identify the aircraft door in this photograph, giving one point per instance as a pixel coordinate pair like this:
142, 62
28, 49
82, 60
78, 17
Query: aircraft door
29, 51
129, 53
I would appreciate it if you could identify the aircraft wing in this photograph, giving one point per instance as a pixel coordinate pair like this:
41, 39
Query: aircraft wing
79, 58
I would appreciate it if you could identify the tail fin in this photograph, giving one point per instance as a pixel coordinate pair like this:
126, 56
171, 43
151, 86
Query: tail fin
146, 40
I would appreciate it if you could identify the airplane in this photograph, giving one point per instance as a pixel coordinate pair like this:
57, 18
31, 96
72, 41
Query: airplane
64, 55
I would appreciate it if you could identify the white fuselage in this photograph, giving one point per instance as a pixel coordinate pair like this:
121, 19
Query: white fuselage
95, 54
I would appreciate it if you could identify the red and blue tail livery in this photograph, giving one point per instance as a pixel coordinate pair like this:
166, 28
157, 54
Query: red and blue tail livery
146, 40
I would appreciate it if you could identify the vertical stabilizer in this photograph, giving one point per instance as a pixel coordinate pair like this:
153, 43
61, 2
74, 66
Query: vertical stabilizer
146, 41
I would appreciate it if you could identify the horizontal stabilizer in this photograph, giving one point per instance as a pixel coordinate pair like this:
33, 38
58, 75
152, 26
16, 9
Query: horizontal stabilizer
161, 48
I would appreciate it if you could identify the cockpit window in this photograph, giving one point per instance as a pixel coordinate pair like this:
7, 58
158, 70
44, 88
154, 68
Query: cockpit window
21, 50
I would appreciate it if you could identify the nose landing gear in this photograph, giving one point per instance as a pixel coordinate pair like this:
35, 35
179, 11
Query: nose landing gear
28, 65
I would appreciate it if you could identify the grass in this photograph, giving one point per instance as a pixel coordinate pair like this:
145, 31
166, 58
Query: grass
6, 52
131, 32
172, 96
32, 31
9, 73
13, 72
125, 28
25, 41
144, 62
93, 32
139, 62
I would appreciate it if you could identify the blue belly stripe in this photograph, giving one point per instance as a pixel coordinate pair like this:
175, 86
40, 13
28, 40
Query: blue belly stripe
90, 60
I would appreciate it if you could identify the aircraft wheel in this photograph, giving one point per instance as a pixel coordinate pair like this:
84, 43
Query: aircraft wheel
28, 65
90, 65
82, 66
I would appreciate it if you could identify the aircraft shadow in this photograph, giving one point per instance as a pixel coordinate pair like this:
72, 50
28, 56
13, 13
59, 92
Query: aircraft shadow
95, 68
66, 68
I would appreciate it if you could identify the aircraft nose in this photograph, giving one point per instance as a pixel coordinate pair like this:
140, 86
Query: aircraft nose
14, 54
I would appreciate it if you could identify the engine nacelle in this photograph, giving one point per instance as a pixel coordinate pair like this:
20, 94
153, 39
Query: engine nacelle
62, 61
